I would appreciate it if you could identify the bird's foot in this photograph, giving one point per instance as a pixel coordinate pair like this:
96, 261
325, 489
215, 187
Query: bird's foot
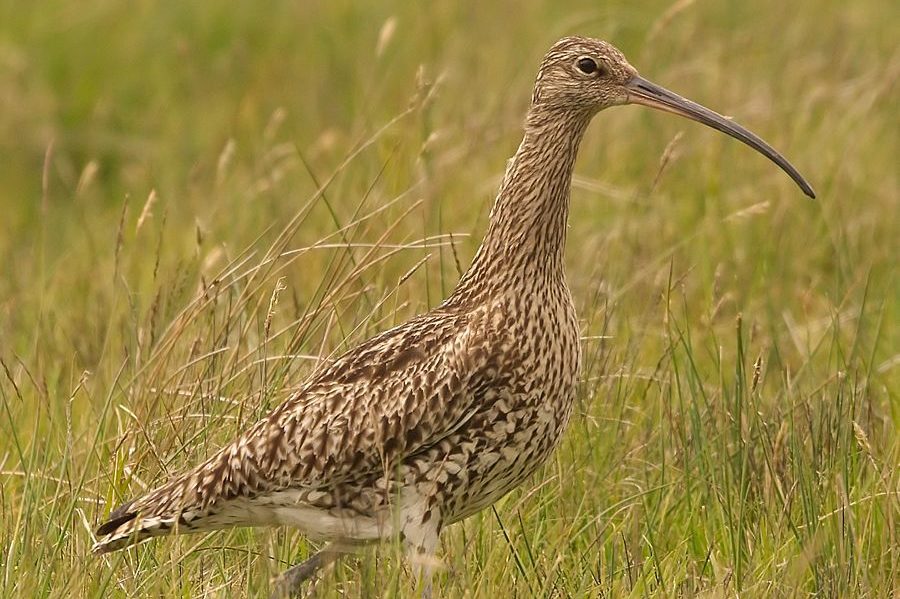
291, 581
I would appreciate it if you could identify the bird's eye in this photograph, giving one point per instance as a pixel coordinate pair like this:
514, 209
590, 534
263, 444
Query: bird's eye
587, 65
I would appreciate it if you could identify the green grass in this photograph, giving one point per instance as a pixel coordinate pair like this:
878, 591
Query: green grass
736, 429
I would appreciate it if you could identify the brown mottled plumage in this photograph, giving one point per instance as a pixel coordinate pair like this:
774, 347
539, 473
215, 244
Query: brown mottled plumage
437, 418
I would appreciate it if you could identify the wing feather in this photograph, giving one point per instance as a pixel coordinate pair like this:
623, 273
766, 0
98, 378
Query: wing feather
388, 399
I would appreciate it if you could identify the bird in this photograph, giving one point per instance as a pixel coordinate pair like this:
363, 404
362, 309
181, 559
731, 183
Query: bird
437, 418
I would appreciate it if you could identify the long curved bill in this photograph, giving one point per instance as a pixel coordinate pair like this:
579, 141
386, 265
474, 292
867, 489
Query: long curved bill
641, 91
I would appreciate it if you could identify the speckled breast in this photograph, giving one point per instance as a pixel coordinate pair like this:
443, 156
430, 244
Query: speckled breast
523, 413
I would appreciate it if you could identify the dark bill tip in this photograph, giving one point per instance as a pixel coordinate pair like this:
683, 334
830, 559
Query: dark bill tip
646, 93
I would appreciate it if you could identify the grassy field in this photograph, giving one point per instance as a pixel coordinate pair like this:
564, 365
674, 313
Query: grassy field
201, 200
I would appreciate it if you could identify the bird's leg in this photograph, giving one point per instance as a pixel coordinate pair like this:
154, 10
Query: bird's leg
421, 533
290, 582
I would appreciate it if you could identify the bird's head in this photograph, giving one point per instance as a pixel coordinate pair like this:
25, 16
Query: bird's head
581, 76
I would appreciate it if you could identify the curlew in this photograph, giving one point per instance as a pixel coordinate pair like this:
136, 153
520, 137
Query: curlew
439, 417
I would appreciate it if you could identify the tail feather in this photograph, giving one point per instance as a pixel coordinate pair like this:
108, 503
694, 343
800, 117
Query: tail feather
154, 514
127, 526
211, 496
119, 516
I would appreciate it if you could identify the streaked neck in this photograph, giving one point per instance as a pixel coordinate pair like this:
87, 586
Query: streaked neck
527, 232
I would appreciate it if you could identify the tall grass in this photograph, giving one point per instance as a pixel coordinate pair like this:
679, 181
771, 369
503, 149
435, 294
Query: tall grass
202, 201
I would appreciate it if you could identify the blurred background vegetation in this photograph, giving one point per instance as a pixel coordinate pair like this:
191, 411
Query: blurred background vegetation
200, 200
